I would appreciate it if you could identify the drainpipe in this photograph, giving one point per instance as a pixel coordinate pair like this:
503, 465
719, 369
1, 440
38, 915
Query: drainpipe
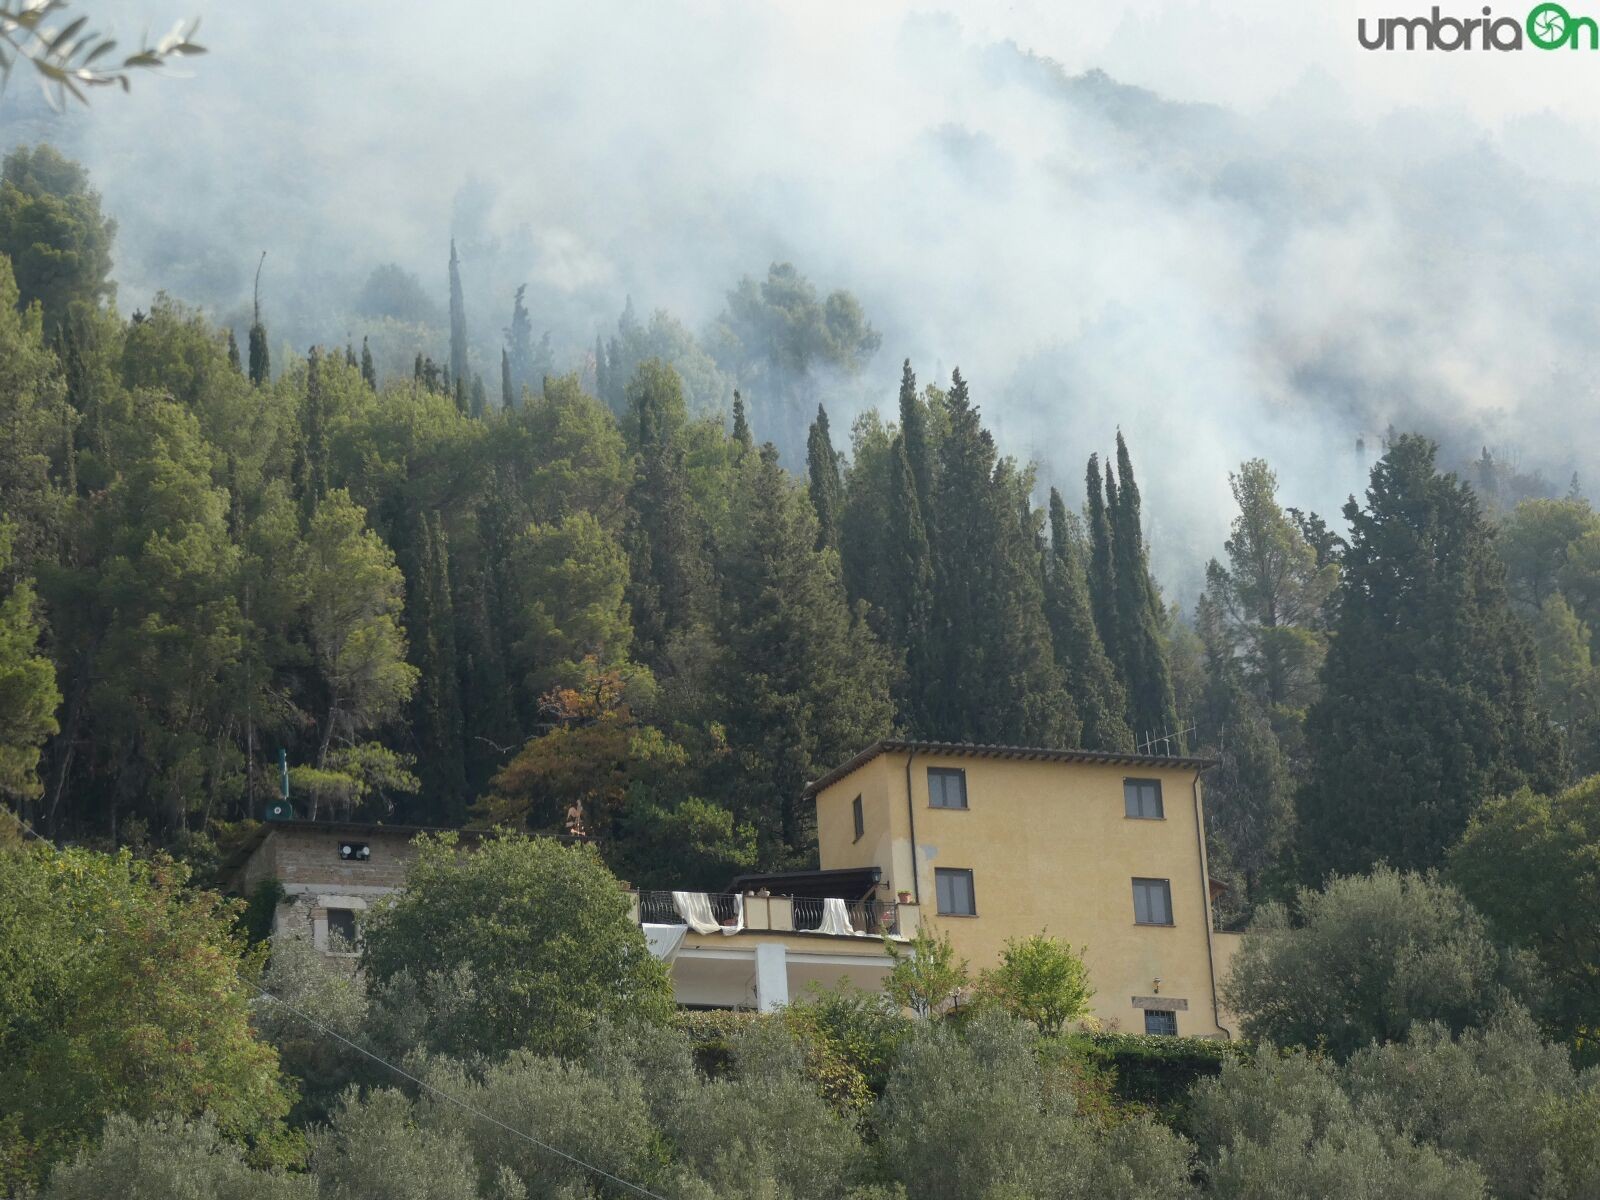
1205, 904
911, 813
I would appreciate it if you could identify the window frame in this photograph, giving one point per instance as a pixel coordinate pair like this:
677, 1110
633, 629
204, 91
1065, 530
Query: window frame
1171, 1015
1135, 787
941, 873
348, 942
858, 816
1166, 891
944, 773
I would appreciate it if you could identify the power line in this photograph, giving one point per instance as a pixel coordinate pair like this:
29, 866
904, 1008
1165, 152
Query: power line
462, 1104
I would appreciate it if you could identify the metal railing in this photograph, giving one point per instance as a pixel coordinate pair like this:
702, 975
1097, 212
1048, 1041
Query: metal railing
657, 908
866, 916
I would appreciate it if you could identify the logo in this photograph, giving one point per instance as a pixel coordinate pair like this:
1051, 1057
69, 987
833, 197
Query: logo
1549, 26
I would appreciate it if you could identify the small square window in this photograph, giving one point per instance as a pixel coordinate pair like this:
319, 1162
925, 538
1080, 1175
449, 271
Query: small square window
1152, 902
341, 926
955, 892
1161, 1021
1141, 798
860, 818
947, 787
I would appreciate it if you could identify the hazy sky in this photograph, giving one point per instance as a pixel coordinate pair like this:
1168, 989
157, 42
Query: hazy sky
1281, 246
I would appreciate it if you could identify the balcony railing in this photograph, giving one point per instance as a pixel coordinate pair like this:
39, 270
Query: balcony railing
777, 914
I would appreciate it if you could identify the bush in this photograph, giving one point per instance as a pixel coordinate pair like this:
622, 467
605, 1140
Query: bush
1500, 1097
973, 1112
529, 940
1041, 981
375, 1149
1371, 956
1276, 1127
167, 1158
1156, 1073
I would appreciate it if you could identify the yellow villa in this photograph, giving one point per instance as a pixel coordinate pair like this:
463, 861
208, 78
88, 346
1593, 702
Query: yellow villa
1104, 851
985, 843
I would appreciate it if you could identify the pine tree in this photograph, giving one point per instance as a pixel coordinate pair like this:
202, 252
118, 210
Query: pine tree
1000, 681
1428, 691
1091, 678
741, 425
1249, 794
313, 477
478, 405
602, 373
803, 681
458, 322
369, 372
260, 358
1270, 598
233, 353
822, 469
1139, 615
349, 356
506, 399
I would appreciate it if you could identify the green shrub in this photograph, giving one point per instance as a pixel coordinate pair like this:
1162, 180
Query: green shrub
169, 1159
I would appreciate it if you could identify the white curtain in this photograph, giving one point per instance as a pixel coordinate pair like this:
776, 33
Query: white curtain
695, 909
835, 919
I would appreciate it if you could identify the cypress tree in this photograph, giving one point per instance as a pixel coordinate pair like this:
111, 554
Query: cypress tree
437, 701
458, 322
669, 576
802, 680
914, 431
741, 425
999, 681
505, 381
479, 403
910, 581
602, 381
519, 344
1091, 679
349, 355
822, 469
260, 359
233, 352
416, 371
1139, 615
369, 372
1102, 561
1428, 691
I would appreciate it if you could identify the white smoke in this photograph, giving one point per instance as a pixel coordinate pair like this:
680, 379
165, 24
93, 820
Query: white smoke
1278, 244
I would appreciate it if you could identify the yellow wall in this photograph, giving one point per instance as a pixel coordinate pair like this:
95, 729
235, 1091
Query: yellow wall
1051, 851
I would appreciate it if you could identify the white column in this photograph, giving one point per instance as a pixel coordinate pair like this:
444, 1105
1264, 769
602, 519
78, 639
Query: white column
772, 976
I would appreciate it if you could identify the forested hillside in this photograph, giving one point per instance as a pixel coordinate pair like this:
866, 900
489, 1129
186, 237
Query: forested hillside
448, 600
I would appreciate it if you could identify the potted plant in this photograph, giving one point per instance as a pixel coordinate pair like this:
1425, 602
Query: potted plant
904, 896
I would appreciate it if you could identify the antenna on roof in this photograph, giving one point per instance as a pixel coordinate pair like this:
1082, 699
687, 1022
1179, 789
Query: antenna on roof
1169, 743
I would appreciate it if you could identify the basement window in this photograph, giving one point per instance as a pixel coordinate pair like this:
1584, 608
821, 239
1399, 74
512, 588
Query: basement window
1161, 1021
1141, 799
947, 787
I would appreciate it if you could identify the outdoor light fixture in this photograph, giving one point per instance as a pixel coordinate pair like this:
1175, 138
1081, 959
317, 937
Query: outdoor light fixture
354, 851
